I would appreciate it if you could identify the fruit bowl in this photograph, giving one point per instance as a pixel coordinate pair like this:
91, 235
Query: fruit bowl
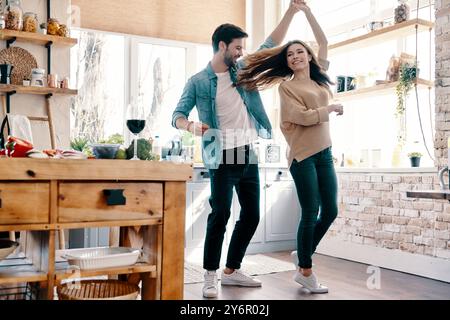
105, 151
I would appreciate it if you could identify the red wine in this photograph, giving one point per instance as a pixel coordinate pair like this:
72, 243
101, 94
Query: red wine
135, 125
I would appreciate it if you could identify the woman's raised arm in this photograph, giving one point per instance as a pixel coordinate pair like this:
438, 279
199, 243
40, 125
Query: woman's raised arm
318, 32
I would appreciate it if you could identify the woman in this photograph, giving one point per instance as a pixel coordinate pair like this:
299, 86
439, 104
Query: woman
304, 100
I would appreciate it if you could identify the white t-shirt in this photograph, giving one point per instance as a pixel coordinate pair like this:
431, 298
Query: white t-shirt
234, 120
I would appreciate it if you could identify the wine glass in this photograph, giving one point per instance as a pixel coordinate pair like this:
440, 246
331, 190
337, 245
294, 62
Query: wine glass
135, 121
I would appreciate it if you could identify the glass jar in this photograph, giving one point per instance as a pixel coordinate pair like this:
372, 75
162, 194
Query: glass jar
63, 31
30, 22
37, 77
14, 15
2, 22
401, 13
52, 26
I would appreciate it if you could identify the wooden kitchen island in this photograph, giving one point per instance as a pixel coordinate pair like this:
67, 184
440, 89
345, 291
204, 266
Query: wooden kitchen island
145, 199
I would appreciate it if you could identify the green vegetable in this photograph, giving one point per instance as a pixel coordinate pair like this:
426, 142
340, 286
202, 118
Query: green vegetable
121, 154
144, 149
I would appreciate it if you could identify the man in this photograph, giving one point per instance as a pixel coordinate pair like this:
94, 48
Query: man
231, 119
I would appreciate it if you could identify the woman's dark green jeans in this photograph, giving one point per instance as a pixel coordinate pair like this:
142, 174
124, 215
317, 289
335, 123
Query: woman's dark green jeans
316, 183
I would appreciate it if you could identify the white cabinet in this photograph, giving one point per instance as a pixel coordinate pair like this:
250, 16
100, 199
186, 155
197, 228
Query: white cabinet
197, 211
282, 210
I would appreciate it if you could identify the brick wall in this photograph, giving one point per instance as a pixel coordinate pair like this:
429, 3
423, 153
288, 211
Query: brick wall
442, 30
374, 211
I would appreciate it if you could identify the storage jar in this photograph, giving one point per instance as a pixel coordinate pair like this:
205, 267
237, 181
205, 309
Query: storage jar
30, 22
14, 15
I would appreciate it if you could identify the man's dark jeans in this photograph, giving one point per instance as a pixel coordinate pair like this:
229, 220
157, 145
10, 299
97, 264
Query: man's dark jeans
316, 183
241, 173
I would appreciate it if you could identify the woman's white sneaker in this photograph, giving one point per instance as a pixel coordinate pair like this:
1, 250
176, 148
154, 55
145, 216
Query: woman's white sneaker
210, 284
238, 278
294, 258
310, 283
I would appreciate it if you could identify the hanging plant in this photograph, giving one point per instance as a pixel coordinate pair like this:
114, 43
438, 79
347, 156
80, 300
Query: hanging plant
408, 74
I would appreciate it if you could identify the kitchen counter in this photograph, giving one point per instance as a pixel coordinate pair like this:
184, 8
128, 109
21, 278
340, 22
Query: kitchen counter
280, 165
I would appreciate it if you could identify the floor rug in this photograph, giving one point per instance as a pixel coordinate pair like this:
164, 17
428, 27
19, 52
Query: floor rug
254, 265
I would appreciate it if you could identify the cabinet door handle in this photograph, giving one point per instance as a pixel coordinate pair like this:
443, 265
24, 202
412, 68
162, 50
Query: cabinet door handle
205, 174
115, 197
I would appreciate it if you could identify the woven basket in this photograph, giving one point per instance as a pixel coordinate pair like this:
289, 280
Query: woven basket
22, 60
98, 290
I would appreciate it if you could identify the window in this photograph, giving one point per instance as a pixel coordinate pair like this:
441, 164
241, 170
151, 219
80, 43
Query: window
109, 69
160, 78
98, 69
367, 134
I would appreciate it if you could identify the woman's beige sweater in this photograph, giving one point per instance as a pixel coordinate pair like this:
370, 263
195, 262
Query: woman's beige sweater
304, 118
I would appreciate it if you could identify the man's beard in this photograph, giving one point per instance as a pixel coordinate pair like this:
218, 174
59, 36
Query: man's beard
228, 60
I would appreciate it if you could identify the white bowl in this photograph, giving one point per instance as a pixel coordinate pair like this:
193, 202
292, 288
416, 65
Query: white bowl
97, 258
7, 247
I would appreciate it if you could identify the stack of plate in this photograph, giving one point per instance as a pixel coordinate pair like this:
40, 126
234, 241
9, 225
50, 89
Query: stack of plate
97, 258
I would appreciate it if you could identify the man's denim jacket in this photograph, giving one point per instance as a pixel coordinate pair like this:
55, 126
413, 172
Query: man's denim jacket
201, 90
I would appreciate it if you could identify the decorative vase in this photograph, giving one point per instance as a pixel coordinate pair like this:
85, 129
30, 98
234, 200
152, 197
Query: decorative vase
415, 161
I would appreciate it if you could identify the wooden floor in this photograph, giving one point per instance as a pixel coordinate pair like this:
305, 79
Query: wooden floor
346, 280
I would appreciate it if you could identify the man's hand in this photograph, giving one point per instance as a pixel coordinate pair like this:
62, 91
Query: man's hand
197, 128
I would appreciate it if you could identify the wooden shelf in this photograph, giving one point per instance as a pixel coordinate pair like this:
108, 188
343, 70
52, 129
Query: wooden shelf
429, 194
62, 267
19, 269
117, 223
378, 90
5, 88
403, 29
27, 227
37, 38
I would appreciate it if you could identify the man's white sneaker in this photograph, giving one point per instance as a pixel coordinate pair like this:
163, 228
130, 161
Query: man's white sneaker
238, 278
310, 283
210, 284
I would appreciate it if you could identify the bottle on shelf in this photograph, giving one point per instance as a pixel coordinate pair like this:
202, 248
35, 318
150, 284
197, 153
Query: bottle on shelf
156, 147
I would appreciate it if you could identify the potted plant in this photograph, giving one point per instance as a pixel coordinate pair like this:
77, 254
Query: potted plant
414, 157
408, 74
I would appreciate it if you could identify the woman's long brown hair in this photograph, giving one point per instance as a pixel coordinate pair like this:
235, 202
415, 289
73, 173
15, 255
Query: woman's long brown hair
269, 67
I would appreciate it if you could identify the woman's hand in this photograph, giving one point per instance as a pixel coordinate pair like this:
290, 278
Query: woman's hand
303, 6
295, 6
338, 108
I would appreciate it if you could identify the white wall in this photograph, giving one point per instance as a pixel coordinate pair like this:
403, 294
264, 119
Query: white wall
35, 105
